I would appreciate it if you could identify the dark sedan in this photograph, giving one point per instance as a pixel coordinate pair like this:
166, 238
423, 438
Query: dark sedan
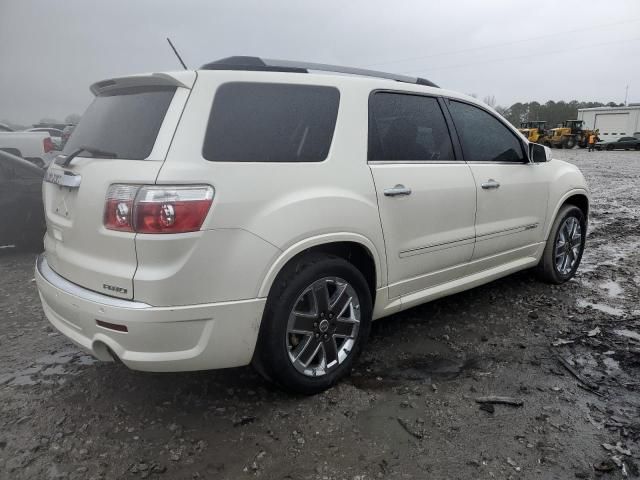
624, 143
21, 210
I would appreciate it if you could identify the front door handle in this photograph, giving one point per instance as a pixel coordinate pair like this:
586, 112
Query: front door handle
490, 184
397, 191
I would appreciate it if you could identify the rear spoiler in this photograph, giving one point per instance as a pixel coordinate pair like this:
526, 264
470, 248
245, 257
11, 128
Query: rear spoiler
173, 79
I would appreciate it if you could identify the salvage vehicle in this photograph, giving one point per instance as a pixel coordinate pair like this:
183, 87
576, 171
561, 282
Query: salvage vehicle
32, 146
265, 212
21, 210
54, 133
624, 143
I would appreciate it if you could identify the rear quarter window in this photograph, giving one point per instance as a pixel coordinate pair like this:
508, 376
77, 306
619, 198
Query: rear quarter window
124, 122
267, 122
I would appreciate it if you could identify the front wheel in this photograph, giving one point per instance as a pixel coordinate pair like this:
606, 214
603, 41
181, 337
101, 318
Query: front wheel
316, 321
565, 245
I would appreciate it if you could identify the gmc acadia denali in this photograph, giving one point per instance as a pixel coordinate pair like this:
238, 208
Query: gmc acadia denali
265, 212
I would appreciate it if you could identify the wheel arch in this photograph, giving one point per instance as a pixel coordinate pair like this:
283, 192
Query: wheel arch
578, 197
355, 248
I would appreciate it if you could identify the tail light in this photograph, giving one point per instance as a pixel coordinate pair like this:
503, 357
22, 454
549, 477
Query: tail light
157, 209
48, 144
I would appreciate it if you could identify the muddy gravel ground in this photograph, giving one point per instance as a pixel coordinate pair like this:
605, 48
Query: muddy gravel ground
570, 353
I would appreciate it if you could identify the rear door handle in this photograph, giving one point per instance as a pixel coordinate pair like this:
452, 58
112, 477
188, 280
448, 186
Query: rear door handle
397, 191
490, 184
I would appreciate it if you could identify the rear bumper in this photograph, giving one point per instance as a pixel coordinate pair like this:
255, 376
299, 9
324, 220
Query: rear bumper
158, 339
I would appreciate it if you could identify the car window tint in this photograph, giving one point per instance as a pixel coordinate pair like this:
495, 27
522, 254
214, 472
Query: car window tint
404, 127
124, 122
267, 122
484, 138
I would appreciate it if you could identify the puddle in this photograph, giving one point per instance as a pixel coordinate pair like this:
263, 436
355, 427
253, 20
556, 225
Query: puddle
628, 334
607, 254
618, 312
49, 368
612, 288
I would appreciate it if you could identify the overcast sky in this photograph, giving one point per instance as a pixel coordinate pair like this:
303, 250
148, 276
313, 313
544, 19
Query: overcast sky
51, 51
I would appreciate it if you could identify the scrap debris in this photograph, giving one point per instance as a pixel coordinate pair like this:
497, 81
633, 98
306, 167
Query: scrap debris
496, 399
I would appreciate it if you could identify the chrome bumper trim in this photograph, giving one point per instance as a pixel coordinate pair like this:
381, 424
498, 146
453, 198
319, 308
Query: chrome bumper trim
70, 288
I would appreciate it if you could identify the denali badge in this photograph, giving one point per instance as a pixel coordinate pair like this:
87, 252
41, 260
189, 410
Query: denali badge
114, 288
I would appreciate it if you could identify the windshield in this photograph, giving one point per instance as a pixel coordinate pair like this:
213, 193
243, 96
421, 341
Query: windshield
124, 122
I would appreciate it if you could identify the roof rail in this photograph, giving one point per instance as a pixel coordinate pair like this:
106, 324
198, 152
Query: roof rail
271, 65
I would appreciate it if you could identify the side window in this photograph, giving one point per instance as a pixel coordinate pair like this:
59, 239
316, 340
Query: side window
270, 122
407, 127
484, 138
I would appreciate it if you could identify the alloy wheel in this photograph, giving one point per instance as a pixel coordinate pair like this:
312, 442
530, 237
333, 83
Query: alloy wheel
323, 326
568, 245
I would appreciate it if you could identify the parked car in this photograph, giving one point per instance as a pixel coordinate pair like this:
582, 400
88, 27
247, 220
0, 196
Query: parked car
54, 133
624, 143
258, 213
66, 133
32, 146
21, 210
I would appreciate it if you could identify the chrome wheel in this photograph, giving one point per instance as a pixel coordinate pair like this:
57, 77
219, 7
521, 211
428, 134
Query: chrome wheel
323, 326
568, 245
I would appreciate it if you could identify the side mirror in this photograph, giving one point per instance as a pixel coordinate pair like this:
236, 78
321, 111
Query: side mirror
539, 153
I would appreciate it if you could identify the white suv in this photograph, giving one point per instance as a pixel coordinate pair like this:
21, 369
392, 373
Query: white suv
254, 212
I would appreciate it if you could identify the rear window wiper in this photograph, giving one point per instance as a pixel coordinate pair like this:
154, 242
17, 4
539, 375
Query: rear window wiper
96, 152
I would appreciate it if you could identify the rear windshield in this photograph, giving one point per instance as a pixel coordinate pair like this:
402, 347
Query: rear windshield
124, 123
266, 122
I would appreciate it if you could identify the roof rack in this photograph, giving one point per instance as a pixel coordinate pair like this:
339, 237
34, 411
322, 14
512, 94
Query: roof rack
271, 65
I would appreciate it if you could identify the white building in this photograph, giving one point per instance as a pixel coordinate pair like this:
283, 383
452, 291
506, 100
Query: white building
613, 122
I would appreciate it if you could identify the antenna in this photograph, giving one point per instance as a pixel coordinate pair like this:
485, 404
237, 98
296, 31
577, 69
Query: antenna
177, 54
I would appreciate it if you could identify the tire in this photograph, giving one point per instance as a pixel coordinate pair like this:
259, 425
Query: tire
609, 148
569, 143
552, 268
281, 354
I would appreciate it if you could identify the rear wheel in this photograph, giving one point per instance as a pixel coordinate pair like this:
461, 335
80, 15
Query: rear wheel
569, 142
609, 148
565, 245
316, 321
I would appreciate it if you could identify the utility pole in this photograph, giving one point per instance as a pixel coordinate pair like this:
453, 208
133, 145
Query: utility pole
626, 96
